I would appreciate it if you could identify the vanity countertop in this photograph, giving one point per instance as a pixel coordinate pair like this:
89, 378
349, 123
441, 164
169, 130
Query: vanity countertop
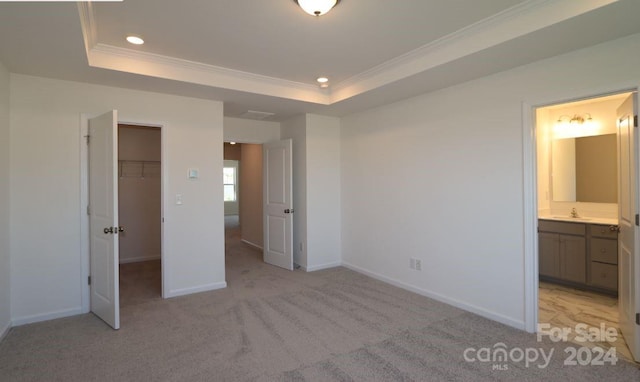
588, 220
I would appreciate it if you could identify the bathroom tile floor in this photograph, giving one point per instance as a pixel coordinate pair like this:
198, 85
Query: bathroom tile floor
565, 307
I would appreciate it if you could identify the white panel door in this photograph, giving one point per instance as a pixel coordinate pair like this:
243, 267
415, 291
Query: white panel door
103, 217
278, 204
628, 259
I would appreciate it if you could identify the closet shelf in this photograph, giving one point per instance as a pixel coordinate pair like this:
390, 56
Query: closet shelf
138, 169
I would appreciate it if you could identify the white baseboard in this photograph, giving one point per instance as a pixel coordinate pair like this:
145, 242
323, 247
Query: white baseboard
138, 259
438, 297
4, 331
46, 316
198, 289
320, 267
256, 246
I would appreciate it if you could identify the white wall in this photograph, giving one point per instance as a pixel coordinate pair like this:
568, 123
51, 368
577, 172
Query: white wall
323, 192
45, 180
295, 129
316, 190
440, 177
139, 193
5, 225
250, 131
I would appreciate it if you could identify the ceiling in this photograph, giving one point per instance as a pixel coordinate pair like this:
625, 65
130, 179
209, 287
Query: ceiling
265, 55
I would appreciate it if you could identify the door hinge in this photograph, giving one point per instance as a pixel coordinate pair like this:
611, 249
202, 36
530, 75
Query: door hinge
88, 210
635, 121
88, 138
637, 220
637, 318
89, 280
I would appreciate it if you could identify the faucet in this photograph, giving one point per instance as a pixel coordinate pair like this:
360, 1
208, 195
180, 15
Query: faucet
574, 213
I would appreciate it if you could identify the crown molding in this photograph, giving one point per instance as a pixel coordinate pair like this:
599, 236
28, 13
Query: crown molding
519, 20
155, 65
88, 25
522, 19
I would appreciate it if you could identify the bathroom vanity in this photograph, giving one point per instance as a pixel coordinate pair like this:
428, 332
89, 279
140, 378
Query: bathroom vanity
579, 252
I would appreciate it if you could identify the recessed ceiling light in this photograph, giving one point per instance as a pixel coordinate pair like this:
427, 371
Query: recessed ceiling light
323, 82
135, 40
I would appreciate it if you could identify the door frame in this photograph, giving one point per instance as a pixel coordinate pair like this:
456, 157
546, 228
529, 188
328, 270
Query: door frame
530, 189
85, 270
240, 142
253, 141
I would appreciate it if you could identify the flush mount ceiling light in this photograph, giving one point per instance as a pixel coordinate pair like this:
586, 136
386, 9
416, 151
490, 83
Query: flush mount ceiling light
317, 7
135, 40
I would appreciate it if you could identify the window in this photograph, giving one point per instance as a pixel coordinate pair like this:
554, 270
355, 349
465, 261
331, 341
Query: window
229, 176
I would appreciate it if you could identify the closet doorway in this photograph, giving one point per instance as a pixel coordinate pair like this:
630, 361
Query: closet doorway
140, 213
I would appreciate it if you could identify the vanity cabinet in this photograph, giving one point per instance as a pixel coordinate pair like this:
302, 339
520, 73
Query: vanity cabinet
549, 254
562, 248
604, 257
578, 254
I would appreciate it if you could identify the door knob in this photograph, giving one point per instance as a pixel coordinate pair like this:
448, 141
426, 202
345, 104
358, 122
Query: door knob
113, 230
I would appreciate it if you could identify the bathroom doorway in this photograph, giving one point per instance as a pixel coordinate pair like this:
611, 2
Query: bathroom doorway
578, 168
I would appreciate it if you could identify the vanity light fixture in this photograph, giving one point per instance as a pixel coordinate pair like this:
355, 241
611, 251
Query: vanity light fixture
135, 40
317, 7
232, 143
577, 119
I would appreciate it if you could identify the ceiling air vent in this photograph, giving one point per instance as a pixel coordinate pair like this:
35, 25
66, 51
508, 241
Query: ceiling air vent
259, 115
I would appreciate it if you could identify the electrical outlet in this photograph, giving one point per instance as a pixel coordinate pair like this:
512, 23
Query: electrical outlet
418, 264
412, 263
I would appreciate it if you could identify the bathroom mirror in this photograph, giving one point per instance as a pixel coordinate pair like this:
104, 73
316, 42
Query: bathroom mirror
584, 169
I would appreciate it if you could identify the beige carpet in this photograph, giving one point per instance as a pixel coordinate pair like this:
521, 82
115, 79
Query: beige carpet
275, 325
